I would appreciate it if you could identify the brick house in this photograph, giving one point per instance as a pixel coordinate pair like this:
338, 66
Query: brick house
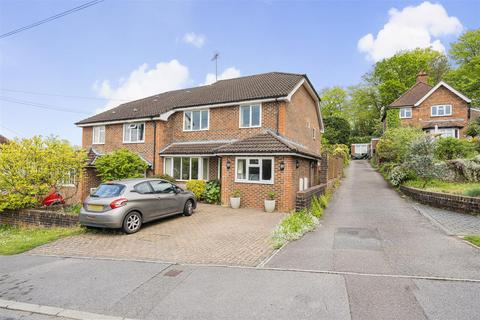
438, 110
257, 134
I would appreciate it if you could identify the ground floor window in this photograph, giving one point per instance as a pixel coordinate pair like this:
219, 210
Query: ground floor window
187, 168
256, 170
445, 132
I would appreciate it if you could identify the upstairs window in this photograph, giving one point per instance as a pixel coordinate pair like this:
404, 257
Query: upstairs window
98, 136
441, 110
134, 132
250, 116
195, 120
405, 113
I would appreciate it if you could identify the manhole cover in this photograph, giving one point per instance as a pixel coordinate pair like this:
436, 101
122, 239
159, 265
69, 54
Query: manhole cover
357, 239
172, 273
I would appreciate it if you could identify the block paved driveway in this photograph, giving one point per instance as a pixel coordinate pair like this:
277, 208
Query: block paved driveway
212, 235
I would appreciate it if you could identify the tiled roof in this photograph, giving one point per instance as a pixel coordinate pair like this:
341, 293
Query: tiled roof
3, 139
94, 154
193, 147
458, 123
266, 143
412, 95
260, 86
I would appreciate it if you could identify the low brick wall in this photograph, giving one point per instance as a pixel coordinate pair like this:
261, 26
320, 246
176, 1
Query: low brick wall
32, 217
304, 198
444, 200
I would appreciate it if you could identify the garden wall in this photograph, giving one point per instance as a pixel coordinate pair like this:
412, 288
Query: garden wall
444, 200
35, 217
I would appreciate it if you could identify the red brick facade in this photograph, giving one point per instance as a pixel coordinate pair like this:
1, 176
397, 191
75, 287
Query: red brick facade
297, 120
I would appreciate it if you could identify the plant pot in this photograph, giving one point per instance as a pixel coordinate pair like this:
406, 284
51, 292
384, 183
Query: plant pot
235, 203
269, 205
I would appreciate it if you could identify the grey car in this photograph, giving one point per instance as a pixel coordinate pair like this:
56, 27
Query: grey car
127, 204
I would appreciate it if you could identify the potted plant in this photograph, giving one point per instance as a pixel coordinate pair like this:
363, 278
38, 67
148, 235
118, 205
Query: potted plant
270, 202
235, 199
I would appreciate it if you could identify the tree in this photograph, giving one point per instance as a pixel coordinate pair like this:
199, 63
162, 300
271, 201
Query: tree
363, 111
31, 168
420, 158
337, 130
120, 164
333, 102
466, 54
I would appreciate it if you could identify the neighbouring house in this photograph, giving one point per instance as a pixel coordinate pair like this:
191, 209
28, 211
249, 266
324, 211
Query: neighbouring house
256, 134
3, 139
438, 110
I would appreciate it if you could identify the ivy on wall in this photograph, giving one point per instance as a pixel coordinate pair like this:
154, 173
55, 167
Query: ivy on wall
393, 118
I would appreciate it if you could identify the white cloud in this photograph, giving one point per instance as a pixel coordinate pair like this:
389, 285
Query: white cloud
413, 27
198, 40
143, 82
229, 73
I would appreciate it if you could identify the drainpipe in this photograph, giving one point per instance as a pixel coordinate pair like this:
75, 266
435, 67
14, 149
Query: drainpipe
154, 145
278, 117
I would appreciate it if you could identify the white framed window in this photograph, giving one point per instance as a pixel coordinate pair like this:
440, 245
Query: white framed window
98, 135
447, 132
187, 168
441, 110
254, 170
196, 120
134, 132
405, 113
70, 178
251, 116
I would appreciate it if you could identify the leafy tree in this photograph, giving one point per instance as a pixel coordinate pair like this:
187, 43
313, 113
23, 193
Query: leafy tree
473, 128
31, 168
395, 143
364, 111
120, 164
420, 158
466, 54
337, 130
333, 102
452, 148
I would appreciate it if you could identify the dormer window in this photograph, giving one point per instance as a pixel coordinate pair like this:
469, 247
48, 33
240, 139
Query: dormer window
134, 132
251, 116
405, 113
196, 120
441, 110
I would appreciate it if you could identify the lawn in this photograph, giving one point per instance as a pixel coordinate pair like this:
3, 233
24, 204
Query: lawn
446, 187
473, 239
15, 240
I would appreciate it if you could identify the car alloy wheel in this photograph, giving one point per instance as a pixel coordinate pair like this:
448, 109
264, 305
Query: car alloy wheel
132, 222
188, 210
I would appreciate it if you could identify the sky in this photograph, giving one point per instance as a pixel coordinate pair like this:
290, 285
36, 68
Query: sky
58, 73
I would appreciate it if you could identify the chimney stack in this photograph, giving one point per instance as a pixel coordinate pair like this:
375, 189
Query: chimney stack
422, 77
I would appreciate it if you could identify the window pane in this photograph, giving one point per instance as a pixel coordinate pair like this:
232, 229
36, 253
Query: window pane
204, 119
266, 169
176, 167
196, 120
241, 169
102, 135
205, 175
161, 187
143, 188
126, 132
168, 166
254, 173
194, 169
448, 110
245, 112
185, 168
253, 161
188, 121
255, 116
140, 130
434, 111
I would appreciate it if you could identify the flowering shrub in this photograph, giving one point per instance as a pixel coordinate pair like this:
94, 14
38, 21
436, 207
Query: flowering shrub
420, 158
400, 174
197, 187
293, 227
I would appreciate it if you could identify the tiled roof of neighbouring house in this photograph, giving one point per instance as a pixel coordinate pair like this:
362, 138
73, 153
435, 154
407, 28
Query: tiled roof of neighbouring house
268, 143
412, 95
260, 86
3, 139
194, 147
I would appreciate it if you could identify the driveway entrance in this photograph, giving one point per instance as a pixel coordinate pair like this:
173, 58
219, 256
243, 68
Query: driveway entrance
212, 235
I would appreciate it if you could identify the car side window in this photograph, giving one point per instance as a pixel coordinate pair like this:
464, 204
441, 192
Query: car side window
143, 188
162, 187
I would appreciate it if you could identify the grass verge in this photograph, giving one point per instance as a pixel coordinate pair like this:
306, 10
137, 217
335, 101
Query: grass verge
15, 239
460, 188
473, 239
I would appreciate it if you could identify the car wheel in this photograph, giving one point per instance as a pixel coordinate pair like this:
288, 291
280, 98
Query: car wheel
188, 208
132, 222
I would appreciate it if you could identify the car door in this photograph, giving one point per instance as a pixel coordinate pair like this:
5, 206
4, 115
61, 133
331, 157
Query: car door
144, 199
168, 199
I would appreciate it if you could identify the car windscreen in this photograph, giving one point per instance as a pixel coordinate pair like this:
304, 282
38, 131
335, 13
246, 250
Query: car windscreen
108, 190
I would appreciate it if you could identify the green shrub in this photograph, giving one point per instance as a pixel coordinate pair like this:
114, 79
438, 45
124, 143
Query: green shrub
400, 174
236, 193
212, 192
394, 144
316, 208
420, 158
474, 192
165, 177
324, 199
74, 208
197, 187
452, 148
271, 195
293, 227
120, 164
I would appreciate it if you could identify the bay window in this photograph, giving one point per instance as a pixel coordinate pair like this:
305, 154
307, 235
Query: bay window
250, 116
134, 132
98, 135
441, 110
254, 170
195, 120
187, 168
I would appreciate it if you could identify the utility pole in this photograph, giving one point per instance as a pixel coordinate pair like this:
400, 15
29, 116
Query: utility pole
215, 58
